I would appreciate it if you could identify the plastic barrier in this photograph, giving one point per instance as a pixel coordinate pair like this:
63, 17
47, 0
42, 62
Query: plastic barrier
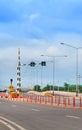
64, 101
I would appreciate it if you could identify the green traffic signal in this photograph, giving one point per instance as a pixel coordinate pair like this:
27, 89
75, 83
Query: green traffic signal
43, 63
32, 64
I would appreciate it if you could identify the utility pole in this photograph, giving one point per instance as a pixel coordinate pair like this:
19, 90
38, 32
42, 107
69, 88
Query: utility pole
19, 73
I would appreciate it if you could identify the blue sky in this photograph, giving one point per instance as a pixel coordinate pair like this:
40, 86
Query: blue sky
37, 27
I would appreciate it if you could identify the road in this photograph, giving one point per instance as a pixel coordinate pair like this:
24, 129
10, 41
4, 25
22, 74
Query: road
25, 116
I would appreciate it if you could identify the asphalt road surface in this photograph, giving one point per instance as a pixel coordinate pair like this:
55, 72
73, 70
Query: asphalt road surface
25, 116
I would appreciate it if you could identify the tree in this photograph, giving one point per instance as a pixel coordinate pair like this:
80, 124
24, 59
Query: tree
37, 88
80, 88
66, 86
48, 88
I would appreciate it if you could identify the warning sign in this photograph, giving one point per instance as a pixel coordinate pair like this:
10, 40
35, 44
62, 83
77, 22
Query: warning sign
11, 88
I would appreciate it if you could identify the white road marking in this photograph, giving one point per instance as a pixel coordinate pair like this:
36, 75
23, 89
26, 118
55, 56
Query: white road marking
75, 117
8, 125
13, 123
35, 110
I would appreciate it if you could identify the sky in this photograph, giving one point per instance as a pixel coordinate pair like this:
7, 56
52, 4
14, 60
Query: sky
38, 27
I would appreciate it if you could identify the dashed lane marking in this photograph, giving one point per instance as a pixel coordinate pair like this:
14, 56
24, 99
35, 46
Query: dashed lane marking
74, 117
35, 110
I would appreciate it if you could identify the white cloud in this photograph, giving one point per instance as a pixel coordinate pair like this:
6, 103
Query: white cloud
33, 16
53, 50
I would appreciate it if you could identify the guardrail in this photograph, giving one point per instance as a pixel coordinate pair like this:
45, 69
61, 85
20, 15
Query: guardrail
62, 101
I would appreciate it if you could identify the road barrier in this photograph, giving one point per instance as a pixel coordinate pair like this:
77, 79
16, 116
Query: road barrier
62, 101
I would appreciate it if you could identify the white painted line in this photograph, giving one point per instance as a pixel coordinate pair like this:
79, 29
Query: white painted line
13, 123
7, 125
35, 110
75, 117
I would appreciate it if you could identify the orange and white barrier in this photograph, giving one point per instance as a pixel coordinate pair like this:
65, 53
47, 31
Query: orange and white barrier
64, 101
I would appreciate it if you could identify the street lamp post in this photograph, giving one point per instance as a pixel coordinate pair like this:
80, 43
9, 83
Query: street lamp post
77, 48
54, 57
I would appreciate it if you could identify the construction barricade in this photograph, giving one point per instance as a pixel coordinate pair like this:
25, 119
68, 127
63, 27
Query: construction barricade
61, 101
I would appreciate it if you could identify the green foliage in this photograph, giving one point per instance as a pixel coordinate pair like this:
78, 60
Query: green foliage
80, 88
37, 88
50, 87
47, 88
61, 88
3, 90
72, 87
67, 87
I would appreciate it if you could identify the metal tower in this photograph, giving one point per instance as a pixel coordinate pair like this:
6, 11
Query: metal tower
19, 72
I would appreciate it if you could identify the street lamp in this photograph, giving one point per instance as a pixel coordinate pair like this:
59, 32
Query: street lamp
54, 67
77, 48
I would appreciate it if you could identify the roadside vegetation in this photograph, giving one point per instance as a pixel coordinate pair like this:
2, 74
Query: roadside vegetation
67, 88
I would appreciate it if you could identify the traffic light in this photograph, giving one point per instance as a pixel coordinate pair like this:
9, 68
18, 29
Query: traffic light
32, 64
43, 63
